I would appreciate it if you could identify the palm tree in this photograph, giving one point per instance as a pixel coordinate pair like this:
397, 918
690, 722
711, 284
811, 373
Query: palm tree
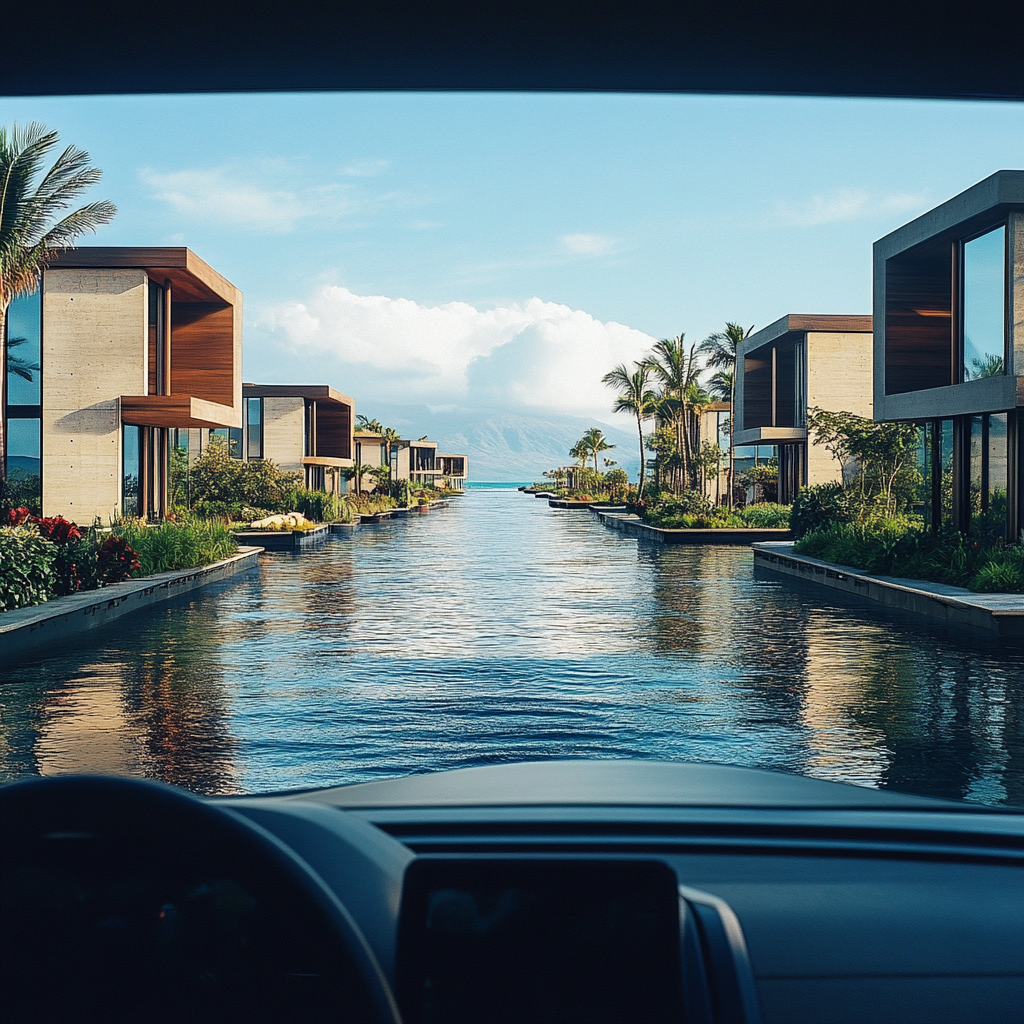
369, 426
636, 397
676, 369
33, 225
720, 349
596, 442
18, 364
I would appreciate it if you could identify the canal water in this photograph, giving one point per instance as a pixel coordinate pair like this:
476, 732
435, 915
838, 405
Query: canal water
498, 630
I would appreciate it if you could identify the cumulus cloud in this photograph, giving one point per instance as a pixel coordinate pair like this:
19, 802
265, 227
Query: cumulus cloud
587, 245
532, 355
843, 204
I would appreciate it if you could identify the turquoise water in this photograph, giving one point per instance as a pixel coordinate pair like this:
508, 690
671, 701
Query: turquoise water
500, 629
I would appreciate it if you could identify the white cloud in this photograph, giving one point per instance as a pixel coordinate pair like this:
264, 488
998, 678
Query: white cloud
268, 195
843, 204
587, 245
532, 355
367, 168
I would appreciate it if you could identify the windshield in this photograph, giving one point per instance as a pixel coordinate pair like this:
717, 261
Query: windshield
438, 293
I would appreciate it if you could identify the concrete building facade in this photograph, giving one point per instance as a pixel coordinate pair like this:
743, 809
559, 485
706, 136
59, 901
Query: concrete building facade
116, 348
306, 429
949, 351
798, 363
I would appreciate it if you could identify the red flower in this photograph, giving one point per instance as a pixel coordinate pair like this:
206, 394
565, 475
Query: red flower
117, 561
58, 529
16, 516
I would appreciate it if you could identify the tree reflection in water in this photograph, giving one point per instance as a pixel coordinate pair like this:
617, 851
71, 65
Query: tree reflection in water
500, 629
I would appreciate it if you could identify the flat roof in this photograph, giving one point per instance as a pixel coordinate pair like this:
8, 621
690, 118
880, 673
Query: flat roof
192, 279
976, 207
324, 392
804, 323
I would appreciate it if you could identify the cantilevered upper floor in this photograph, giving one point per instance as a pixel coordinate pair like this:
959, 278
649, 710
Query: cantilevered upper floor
949, 307
160, 322
800, 362
304, 428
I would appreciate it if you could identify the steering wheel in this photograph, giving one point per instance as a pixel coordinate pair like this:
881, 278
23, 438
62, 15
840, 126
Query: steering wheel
123, 900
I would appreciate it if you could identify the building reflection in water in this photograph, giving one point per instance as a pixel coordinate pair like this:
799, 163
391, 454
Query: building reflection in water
151, 702
502, 630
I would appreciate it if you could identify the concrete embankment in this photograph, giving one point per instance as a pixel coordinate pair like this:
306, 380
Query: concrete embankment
996, 613
27, 631
636, 527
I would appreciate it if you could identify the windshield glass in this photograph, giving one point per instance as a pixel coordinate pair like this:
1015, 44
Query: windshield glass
439, 294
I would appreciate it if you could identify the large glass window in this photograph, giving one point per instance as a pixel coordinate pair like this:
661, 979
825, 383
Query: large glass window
131, 470
996, 476
24, 464
984, 302
254, 423
24, 350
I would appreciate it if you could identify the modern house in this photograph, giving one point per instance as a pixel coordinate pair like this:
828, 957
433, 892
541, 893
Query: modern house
452, 469
307, 429
418, 461
116, 350
795, 364
949, 350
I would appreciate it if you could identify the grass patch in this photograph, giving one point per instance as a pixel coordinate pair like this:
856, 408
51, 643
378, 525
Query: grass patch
177, 545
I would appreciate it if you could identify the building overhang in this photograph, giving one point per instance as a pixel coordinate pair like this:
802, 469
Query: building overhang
182, 411
972, 398
770, 435
324, 460
797, 324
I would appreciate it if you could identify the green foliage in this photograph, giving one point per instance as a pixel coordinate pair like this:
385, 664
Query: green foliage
764, 479
766, 515
318, 506
876, 458
897, 546
27, 567
176, 545
819, 507
220, 482
21, 490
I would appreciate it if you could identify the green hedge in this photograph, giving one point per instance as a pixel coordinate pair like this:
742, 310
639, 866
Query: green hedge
895, 547
28, 571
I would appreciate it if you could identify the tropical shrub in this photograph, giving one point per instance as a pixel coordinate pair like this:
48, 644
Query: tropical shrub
318, 506
766, 516
219, 482
171, 545
819, 507
898, 546
27, 569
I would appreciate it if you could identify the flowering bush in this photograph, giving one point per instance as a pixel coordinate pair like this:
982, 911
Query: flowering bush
117, 561
27, 574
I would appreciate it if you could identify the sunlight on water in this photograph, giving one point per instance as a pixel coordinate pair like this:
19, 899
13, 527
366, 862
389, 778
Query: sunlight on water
499, 629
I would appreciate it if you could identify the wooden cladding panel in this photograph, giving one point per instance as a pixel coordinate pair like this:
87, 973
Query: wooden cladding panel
203, 350
919, 320
757, 389
333, 430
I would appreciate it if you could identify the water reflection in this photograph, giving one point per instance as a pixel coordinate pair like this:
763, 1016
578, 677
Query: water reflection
501, 630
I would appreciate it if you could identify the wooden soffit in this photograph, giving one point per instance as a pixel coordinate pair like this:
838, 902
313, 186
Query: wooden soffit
182, 411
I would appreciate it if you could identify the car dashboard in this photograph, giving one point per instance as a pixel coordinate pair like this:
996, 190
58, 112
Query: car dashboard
553, 891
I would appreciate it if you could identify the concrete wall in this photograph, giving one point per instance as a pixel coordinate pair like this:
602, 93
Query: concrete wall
840, 379
94, 351
282, 432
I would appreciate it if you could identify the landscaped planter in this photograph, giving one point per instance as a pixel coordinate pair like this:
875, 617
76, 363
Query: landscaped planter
284, 540
376, 517
565, 503
996, 613
636, 527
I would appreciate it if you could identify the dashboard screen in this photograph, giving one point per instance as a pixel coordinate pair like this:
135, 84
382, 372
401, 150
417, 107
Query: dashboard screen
539, 940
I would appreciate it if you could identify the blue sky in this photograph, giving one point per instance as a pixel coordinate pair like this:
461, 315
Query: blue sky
505, 250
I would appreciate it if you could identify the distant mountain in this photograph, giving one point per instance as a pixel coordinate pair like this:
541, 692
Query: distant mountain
504, 446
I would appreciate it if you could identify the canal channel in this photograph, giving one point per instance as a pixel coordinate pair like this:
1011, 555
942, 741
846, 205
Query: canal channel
499, 629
